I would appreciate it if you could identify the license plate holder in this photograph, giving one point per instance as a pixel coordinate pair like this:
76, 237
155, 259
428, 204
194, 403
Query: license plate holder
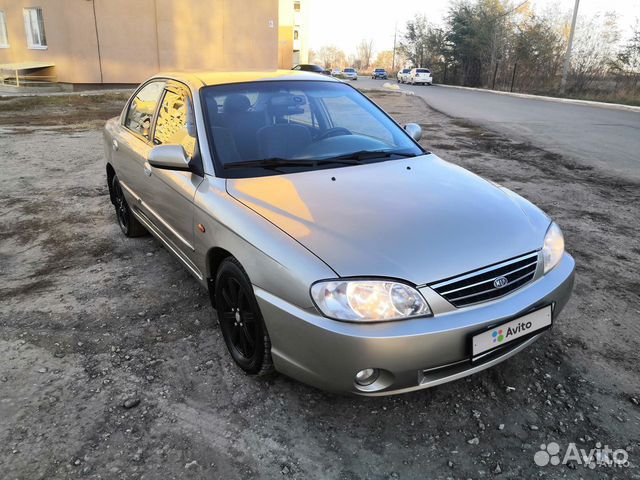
502, 334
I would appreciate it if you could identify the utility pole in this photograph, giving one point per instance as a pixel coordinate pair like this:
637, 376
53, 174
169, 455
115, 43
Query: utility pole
567, 57
393, 59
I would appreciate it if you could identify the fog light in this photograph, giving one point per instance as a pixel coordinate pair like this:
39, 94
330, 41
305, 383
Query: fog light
367, 376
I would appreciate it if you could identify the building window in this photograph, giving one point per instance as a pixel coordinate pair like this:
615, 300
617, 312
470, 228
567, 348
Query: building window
296, 6
4, 36
296, 35
34, 26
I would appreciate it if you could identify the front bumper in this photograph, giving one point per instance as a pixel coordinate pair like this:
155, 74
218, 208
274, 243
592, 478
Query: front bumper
413, 354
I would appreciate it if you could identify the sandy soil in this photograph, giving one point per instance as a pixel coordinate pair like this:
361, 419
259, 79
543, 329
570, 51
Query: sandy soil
112, 364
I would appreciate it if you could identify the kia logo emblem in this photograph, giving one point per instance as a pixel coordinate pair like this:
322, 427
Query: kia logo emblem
500, 282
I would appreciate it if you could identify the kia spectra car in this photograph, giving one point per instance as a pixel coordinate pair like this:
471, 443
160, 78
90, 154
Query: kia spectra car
336, 250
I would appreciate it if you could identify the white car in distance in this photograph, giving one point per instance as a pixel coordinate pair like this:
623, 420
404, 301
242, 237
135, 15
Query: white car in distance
350, 73
403, 75
420, 76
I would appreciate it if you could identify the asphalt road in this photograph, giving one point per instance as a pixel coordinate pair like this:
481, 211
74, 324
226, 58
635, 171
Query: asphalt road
607, 138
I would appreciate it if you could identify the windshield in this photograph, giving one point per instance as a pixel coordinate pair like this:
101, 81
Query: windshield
349, 70
264, 128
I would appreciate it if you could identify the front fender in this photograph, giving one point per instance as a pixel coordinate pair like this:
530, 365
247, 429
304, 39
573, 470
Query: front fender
273, 260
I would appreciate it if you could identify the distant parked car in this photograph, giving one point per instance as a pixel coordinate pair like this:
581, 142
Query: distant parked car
403, 75
336, 72
309, 67
350, 74
380, 73
421, 76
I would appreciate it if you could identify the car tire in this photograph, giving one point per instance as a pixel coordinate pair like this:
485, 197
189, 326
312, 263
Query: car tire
128, 223
241, 323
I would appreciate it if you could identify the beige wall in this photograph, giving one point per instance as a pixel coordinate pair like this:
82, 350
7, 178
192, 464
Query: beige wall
138, 38
286, 20
70, 33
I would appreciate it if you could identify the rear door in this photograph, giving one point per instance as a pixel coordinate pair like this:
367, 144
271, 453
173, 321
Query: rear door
131, 141
168, 194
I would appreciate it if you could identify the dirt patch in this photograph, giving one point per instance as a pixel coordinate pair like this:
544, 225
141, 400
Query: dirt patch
90, 319
63, 110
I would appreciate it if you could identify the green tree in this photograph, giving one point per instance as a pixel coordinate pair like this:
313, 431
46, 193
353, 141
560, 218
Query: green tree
424, 45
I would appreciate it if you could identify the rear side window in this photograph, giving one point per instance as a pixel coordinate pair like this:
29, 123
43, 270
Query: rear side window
422, 70
142, 108
176, 123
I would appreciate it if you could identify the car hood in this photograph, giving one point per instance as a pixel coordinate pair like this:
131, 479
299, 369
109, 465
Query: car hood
420, 219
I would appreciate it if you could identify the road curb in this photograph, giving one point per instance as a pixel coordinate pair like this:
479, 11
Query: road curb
589, 103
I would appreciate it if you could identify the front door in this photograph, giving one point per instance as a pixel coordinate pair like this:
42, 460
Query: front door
168, 194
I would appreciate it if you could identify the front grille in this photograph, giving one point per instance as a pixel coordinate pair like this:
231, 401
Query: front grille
478, 286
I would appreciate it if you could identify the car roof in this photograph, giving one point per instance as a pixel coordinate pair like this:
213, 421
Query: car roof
200, 79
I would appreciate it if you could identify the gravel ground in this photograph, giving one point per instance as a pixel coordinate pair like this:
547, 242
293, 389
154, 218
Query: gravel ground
112, 364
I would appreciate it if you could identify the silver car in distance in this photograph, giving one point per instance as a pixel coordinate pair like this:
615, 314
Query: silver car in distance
336, 250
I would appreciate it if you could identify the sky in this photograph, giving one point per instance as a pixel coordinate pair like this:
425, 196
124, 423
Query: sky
344, 23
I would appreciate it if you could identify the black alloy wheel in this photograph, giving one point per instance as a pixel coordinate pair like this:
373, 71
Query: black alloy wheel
129, 224
240, 319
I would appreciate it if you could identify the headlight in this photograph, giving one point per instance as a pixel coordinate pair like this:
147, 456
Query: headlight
368, 300
553, 247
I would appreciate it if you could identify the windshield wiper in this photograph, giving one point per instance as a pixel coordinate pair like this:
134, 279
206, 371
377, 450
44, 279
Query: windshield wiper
286, 162
371, 154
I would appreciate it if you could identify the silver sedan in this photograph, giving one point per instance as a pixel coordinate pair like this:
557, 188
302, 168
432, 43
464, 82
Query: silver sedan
336, 250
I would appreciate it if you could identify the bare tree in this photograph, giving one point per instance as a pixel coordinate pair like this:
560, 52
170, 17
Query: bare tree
594, 47
627, 62
364, 52
331, 56
354, 62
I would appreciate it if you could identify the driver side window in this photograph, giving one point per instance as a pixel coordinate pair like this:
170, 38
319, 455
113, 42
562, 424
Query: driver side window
176, 123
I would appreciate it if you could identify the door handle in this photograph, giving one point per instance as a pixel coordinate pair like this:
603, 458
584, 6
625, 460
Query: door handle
147, 169
115, 145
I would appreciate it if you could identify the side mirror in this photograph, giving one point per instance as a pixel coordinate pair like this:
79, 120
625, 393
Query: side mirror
414, 130
169, 157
